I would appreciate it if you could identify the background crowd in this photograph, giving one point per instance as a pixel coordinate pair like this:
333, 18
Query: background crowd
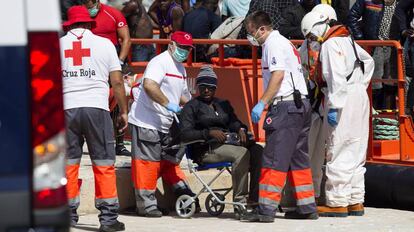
223, 19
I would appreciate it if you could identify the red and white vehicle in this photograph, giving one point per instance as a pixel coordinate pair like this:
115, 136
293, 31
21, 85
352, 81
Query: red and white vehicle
32, 136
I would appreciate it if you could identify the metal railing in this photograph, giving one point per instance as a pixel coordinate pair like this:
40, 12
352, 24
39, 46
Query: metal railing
406, 143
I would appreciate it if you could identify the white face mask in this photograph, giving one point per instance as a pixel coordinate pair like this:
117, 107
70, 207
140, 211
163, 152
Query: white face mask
253, 41
320, 29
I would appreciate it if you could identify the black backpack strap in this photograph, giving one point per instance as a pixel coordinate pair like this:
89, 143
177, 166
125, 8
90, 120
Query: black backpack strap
358, 61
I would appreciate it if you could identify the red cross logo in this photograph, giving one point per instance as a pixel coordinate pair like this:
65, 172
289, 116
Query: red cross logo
77, 53
296, 52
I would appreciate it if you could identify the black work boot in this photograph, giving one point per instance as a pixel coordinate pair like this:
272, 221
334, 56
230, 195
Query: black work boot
152, 213
256, 217
117, 226
296, 215
121, 150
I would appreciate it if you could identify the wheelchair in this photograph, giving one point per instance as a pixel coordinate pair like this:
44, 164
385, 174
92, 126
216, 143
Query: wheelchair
215, 201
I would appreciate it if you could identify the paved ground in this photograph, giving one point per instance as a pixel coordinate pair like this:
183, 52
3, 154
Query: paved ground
375, 220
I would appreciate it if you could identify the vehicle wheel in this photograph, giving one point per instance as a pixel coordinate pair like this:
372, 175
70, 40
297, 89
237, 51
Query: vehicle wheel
183, 210
213, 207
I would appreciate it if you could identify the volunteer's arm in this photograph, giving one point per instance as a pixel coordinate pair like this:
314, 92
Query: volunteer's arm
274, 85
153, 90
123, 34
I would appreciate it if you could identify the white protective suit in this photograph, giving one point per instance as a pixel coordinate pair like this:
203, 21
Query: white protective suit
317, 134
347, 142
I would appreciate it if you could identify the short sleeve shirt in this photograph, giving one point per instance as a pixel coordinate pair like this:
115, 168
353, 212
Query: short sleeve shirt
171, 76
86, 64
235, 7
279, 54
108, 20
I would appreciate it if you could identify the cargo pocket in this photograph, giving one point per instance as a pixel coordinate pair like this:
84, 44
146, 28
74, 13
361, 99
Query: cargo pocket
273, 119
148, 135
149, 144
295, 116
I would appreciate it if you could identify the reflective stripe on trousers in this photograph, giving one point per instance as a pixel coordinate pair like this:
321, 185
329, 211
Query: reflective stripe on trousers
106, 199
145, 175
286, 155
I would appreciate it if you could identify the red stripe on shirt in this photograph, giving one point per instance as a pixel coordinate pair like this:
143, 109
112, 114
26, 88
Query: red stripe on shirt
173, 75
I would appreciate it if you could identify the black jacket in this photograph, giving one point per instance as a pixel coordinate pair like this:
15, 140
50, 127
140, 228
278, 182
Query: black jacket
290, 24
342, 9
197, 118
404, 13
371, 12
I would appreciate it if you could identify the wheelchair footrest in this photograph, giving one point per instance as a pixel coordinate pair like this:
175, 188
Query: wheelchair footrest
215, 165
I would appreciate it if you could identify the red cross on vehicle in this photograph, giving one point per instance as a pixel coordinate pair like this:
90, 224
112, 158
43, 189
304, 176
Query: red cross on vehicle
77, 53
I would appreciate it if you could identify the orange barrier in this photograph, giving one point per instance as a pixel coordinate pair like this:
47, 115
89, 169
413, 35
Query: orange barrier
394, 151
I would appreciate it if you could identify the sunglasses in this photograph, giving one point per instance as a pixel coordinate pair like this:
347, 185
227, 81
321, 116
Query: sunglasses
207, 87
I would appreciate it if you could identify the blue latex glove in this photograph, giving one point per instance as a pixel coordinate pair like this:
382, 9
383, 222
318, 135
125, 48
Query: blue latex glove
173, 107
333, 117
257, 111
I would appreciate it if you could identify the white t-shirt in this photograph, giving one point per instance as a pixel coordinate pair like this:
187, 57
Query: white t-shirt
86, 64
171, 76
279, 54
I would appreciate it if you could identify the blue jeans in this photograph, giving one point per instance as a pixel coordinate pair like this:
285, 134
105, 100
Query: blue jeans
142, 52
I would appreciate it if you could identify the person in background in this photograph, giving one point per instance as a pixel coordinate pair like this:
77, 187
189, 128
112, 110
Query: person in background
341, 8
168, 15
111, 24
140, 27
234, 8
201, 23
273, 8
87, 113
376, 18
185, 4
404, 17
65, 5
309, 54
292, 17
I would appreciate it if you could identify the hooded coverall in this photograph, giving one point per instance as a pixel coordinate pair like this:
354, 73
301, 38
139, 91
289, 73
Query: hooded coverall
347, 142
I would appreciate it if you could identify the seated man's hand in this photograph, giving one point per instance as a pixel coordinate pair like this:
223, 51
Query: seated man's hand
242, 136
219, 135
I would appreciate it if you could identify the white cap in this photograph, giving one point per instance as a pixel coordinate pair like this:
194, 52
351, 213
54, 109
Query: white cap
310, 20
326, 10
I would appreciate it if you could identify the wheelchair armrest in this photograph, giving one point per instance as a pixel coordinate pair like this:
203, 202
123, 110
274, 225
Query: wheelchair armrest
178, 146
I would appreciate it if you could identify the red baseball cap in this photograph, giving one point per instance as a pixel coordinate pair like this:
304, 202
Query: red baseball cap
78, 14
182, 38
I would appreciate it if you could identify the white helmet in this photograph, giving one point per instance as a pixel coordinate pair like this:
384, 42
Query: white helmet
326, 10
310, 20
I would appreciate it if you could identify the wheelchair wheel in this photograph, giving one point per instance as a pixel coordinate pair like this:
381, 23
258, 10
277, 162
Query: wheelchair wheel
183, 210
213, 207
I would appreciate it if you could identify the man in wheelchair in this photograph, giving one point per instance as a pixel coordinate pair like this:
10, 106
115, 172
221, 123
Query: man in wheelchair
212, 119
